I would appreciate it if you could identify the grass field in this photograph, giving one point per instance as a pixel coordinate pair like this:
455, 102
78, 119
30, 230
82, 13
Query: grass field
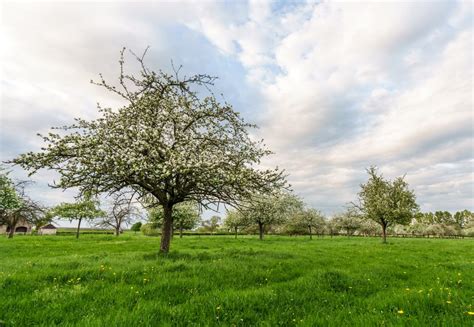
100, 280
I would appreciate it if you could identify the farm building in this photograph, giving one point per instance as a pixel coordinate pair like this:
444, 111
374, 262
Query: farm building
23, 227
48, 229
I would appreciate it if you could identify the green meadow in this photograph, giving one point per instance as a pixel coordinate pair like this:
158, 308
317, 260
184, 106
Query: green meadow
101, 280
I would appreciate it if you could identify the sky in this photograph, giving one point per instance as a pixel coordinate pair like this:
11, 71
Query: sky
335, 87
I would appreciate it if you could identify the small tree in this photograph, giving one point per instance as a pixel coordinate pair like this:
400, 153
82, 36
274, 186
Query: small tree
270, 209
348, 221
86, 208
443, 217
386, 202
10, 203
463, 218
185, 216
214, 223
168, 143
15, 205
369, 227
122, 211
332, 227
136, 227
312, 219
41, 220
234, 221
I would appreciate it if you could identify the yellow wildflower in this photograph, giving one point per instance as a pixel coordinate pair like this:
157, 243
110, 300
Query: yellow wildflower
401, 312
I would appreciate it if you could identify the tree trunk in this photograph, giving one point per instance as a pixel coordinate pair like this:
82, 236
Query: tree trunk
180, 232
117, 231
310, 233
235, 232
78, 228
260, 231
12, 231
384, 233
166, 229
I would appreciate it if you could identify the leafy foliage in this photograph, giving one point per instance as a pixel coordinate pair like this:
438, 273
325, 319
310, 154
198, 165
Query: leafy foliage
9, 199
386, 202
306, 221
185, 216
234, 221
136, 226
86, 208
16, 206
270, 209
348, 221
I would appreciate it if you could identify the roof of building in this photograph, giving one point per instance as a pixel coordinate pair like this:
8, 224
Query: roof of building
48, 226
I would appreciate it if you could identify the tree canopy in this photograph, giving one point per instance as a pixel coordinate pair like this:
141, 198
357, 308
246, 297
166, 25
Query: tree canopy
310, 219
122, 210
234, 220
168, 142
86, 208
15, 205
270, 209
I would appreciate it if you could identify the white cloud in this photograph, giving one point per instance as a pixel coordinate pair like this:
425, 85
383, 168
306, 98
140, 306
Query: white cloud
358, 84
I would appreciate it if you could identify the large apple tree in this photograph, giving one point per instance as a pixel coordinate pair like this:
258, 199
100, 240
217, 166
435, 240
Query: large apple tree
168, 143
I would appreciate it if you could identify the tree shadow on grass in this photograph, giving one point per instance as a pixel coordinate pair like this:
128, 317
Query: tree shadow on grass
176, 255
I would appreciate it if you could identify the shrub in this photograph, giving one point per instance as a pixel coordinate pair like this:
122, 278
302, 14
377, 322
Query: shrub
150, 229
468, 231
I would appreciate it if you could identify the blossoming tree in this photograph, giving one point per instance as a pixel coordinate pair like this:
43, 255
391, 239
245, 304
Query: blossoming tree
386, 202
85, 208
16, 206
270, 209
168, 143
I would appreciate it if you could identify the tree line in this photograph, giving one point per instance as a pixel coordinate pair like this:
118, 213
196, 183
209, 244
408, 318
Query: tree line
383, 207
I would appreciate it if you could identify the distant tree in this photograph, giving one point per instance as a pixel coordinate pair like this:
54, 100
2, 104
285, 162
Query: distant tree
441, 230
86, 208
234, 221
15, 205
332, 227
463, 218
386, 202
136, 227
214, 223
419, 218
185, 216
348, 221
41, 220
426, 218
168, 142
122, 211
266, 210
310, 219
10, 203
369, 227
443, 217
150, 229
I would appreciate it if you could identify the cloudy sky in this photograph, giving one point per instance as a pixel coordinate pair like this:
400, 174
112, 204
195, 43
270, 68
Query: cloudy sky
334, 86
